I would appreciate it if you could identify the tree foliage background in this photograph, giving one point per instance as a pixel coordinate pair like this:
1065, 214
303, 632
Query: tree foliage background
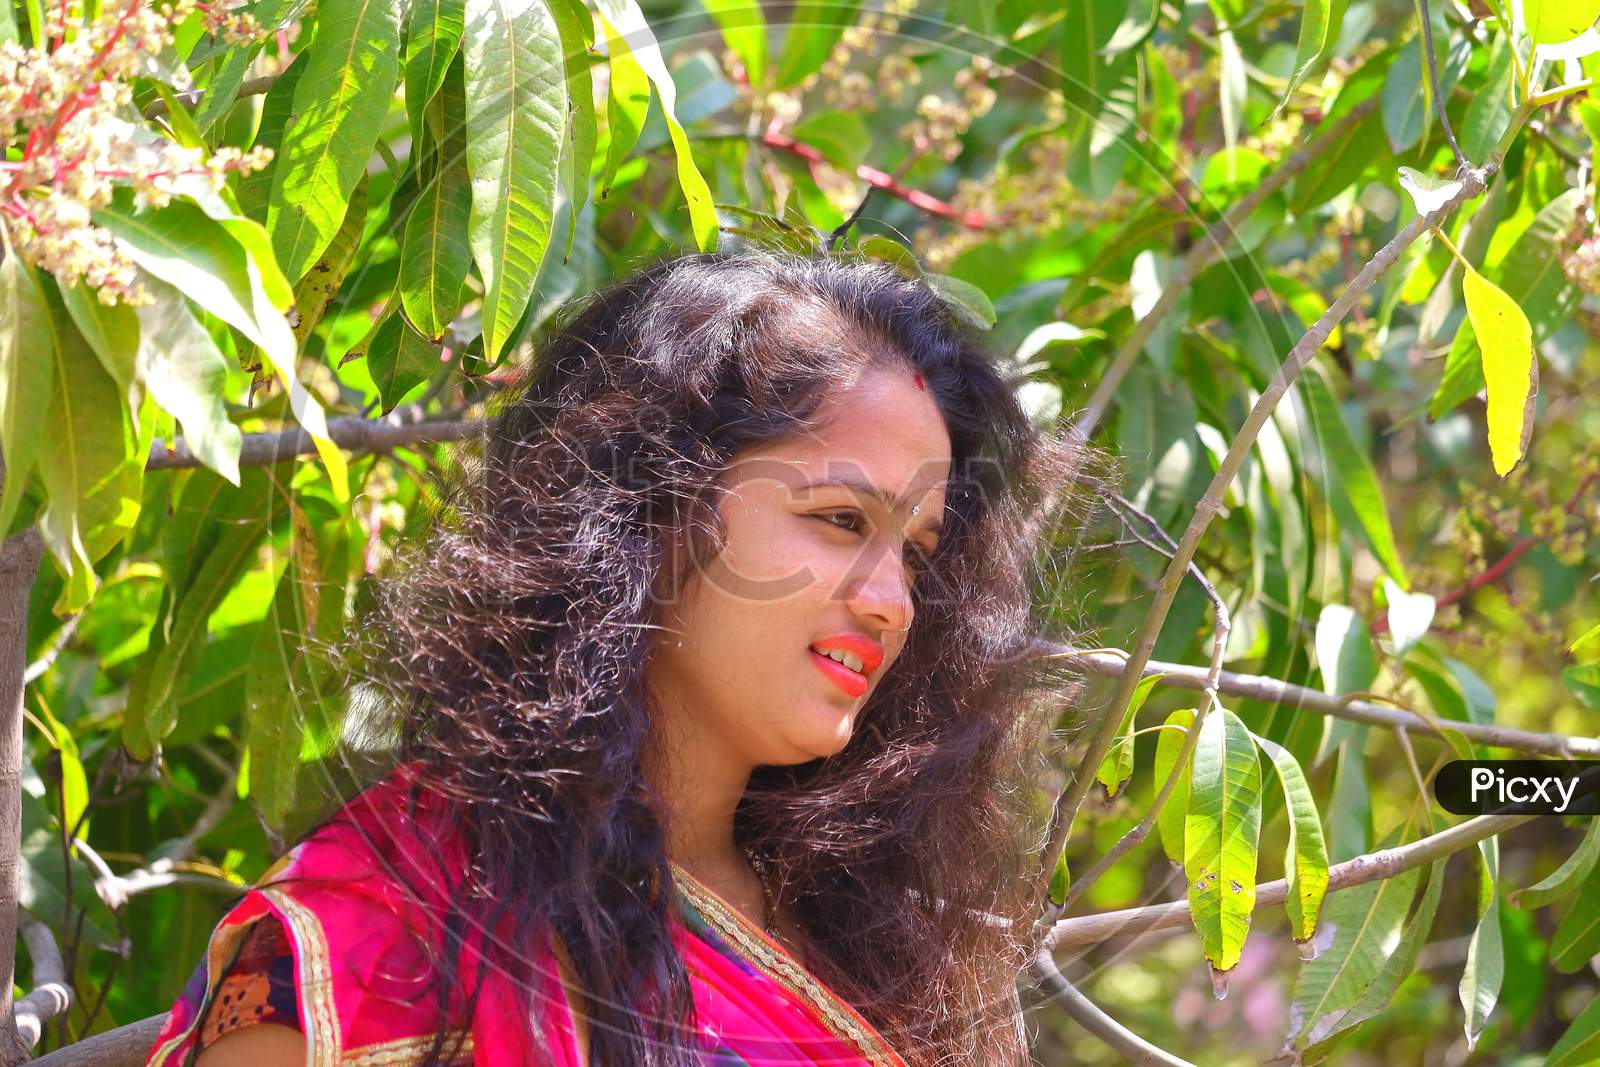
261, 264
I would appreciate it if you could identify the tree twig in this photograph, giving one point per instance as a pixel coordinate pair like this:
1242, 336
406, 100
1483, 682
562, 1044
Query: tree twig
1496, 570
1071, 798
351, 432
1089, 1015
1273, 691
1205, 250
1372, 867
50, 996
1221, 627
1433, 83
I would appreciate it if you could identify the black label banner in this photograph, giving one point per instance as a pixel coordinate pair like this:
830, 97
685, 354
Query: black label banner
1519, 787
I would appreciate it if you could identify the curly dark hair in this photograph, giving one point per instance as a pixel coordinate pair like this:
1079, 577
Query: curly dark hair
512, 641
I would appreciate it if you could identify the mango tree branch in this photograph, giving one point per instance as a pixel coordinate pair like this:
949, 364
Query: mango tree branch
1372, 867
1205, 250
403, 426
1272, 691
1089, 1015
19, 564
1191, 739
51, 995
1071, 799
126, 1046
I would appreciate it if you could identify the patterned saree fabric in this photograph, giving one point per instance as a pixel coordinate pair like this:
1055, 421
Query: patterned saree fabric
337, 942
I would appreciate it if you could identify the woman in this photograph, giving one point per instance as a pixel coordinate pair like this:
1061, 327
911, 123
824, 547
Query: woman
714, 710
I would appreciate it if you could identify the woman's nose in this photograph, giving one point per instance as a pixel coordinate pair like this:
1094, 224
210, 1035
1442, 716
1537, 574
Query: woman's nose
881, 589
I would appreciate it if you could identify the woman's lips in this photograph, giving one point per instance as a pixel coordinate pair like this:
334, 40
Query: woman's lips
852, 682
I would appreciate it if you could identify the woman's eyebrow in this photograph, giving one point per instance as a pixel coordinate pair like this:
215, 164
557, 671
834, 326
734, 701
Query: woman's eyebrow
891, 501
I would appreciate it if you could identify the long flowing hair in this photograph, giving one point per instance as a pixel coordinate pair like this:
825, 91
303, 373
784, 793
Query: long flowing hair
510, 641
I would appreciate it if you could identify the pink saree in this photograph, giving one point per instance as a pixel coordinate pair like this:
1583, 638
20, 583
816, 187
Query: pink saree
355, 895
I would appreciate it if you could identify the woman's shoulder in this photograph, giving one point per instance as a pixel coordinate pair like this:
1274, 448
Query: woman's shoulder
360, 901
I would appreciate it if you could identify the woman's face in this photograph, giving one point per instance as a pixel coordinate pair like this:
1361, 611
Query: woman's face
820, 556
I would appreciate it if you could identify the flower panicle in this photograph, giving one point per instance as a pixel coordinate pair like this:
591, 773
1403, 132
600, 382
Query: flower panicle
70, 136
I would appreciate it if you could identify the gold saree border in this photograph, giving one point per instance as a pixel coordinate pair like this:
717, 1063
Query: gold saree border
407, 1050
317, 1013
218, 951
780, 965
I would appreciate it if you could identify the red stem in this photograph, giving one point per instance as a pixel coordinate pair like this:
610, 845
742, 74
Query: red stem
888, 183
1497, 569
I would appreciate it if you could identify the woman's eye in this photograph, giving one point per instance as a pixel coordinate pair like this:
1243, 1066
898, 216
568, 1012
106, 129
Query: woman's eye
851, 521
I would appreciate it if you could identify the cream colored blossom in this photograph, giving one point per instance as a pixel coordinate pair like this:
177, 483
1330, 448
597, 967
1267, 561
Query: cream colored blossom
69, 108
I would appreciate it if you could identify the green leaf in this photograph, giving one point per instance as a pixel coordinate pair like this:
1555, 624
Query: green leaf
627, 104
842, 137
1305, 858
1170, 821
1578, 937
339, 105
223, 266
625, 19
1510, 367
1563, 879
1347, 476
277, 108
1316, 19
436, 258
26, 358
1221, 835
1366, 923
1344, 651
186, 374
744, 29
231, 551
433, 37
74, 783
1060, 881
316, 291
969, 303
1581, 1043
289, 695
1583, 682
515, 106
1486, 965
576, 26
1557, 21
228, 72
814, 27
399, 359
1400, 964
93, 478
1117, 767
112, 330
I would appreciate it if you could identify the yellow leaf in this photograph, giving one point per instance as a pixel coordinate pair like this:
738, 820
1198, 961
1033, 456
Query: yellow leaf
1510, 369
1558, 21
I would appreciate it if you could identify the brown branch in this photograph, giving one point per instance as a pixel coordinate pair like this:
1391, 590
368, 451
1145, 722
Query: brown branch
19, 564
1273, 691
1200, 256
1089, 1015
403, 426
1372, 867
51, 996
1071, 799
253, 87
126, 1046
